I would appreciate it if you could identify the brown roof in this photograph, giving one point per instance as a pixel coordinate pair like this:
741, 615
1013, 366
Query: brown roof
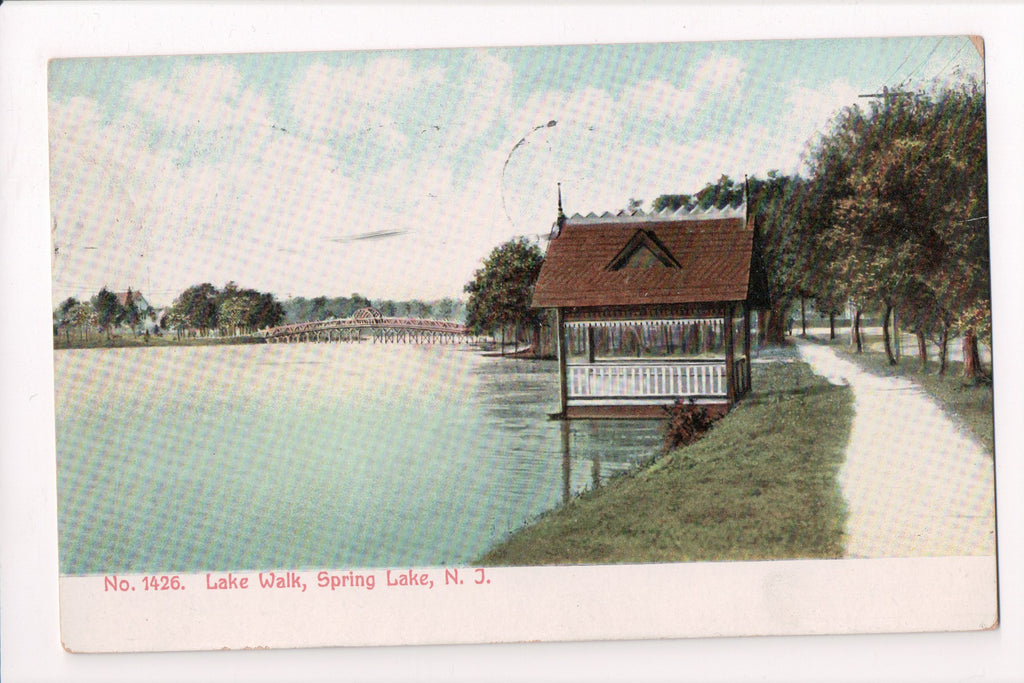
690, 261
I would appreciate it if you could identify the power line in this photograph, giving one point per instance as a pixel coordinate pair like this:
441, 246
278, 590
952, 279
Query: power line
905, 60
946, 66
925, 60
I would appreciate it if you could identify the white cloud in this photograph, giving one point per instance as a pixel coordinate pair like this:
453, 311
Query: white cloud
332, 102
723, 75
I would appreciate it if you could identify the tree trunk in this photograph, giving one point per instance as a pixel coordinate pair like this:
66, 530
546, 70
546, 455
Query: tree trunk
803, 316
922, 349
855, 338
943, 348
897, 341
972, 359
775, 325
832, 326
886, 337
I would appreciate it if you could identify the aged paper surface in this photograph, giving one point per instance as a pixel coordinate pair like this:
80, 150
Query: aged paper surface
517, 604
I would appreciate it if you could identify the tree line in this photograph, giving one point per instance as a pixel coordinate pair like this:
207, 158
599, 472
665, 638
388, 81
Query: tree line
103, 312
232, 310
198, 311
301, 309
892, 217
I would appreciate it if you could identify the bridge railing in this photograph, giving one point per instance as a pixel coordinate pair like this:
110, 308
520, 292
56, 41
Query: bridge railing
419, 324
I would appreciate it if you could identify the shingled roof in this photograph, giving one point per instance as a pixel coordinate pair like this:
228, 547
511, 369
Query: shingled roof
636, 259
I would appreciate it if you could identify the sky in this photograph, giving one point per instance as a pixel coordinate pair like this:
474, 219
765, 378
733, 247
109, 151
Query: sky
394, 173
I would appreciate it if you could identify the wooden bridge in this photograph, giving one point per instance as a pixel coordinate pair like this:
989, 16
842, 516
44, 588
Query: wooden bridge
372, 325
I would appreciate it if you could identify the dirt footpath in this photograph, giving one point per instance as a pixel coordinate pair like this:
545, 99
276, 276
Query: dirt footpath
915, 484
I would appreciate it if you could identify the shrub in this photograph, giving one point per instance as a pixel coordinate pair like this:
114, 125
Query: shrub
687, 422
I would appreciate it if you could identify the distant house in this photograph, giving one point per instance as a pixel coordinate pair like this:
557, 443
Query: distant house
149, 317
651, 308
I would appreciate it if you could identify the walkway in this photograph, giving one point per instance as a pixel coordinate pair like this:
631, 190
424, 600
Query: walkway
914, 484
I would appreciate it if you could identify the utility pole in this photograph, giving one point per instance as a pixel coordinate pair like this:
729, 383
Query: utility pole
888, 95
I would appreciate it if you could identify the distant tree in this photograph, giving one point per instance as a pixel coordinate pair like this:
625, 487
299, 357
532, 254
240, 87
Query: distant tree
62, 317
81, 316
500, 293
129, 314
268, 312
673, 202
357, 301
444, 309
246, 310
196, 308
419, 309
720, 194
319, 309
108, 310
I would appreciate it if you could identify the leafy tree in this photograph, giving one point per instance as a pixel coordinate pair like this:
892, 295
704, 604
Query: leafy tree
444, 309
901, 189
61, 317
319, 310
419, 309
720, 194
129, 314
673, 202
500, 293
268, 312
196, 308
108, 310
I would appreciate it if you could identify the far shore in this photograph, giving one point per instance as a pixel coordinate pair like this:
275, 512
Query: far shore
154, 340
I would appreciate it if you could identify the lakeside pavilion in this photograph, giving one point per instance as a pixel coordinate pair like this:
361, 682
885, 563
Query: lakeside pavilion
650, 308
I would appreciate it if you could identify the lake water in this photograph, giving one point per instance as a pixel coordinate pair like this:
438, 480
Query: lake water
312, 455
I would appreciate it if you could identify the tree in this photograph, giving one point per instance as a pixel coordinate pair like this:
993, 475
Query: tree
108, 310
444, 309
129, 314
82, 317
774, 205
500, 293
268, 312
62, 317
901, 200
673, 202
196, 308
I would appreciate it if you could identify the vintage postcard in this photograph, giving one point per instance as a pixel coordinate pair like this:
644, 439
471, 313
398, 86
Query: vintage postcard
508, 344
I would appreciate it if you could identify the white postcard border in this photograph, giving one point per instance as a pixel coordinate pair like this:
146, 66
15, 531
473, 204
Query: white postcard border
29, 560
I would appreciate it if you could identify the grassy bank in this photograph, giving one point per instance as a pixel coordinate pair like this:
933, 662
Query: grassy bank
100, 342
969, 404
761, 485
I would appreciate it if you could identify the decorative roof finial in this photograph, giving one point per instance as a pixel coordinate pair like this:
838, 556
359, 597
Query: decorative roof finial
561, 214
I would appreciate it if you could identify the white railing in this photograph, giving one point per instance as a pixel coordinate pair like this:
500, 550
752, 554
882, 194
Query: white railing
640, 380
652, 379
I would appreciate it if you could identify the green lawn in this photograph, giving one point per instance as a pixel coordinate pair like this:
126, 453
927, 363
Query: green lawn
761, 485
971, 405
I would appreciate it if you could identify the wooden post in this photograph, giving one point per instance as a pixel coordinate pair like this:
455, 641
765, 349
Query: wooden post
563, 384
566, 462
746, 342
730, 380
590, 343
